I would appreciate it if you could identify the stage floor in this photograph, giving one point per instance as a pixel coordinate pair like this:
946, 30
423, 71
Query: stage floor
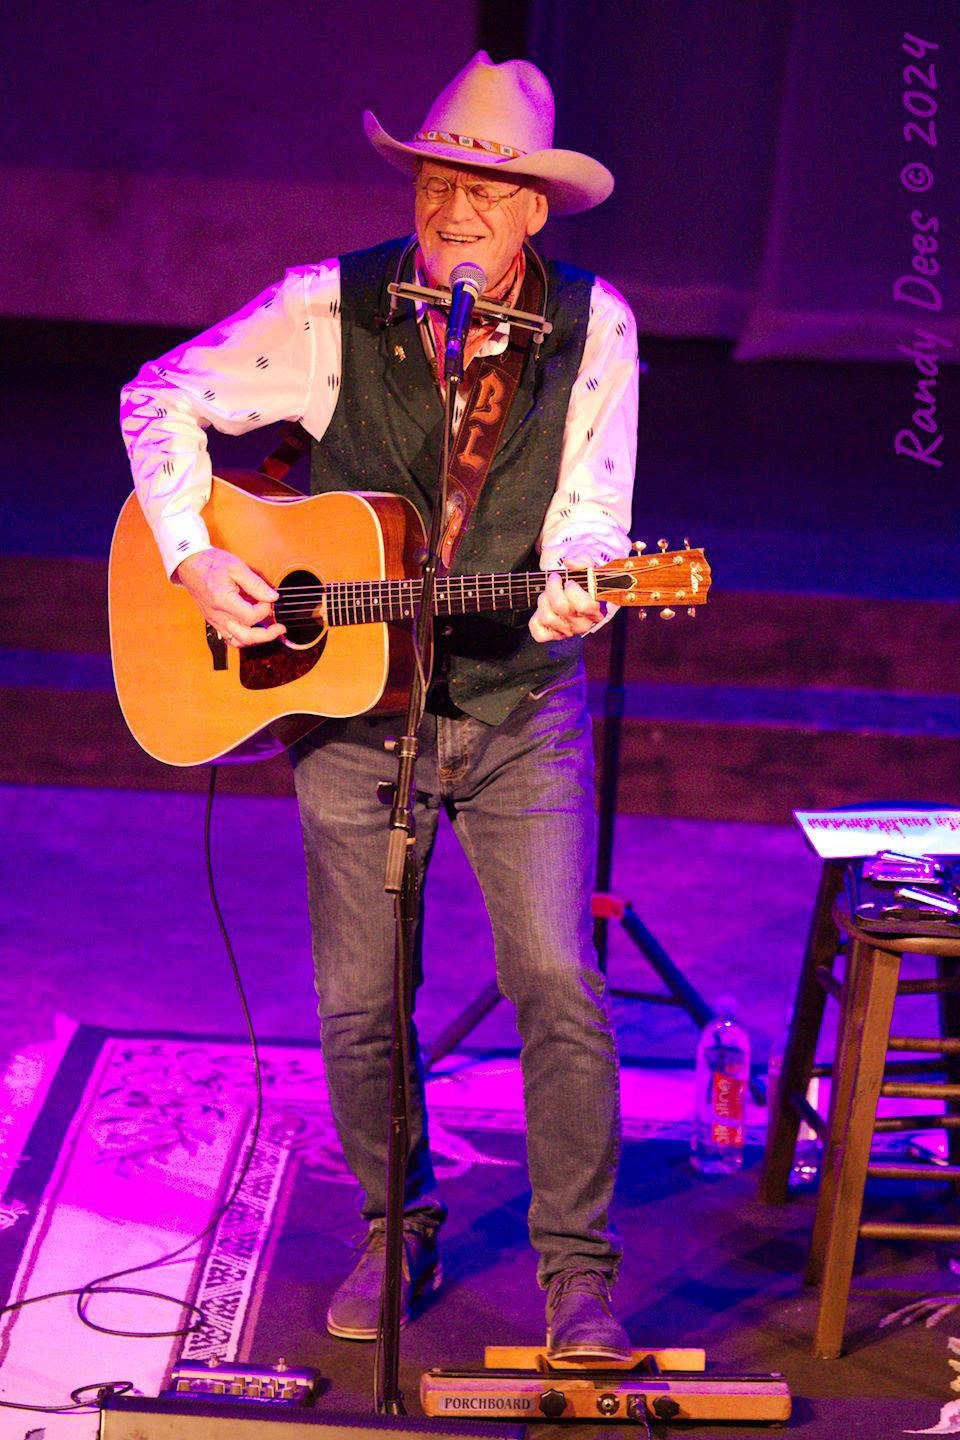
125, 1144
107, 924
106, 919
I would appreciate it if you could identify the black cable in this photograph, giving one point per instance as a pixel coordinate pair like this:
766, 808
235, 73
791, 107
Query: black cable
86, 1407
114, 1387
99, 1285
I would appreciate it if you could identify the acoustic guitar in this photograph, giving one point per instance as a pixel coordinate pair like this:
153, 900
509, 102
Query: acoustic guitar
346, 568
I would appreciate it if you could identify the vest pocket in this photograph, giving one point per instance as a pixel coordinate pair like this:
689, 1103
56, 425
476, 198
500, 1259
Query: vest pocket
556, 682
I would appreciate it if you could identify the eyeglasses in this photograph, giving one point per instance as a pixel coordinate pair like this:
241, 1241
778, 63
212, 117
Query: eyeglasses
482, 197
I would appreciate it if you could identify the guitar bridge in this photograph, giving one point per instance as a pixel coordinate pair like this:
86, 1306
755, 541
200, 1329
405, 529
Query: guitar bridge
218, 648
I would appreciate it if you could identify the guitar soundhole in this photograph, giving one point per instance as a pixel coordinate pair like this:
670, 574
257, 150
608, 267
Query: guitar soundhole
279, 662
298, 608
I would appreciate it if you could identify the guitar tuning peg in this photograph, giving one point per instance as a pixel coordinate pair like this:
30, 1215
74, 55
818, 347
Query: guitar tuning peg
639, 546
692, 611
686, 542
667, 614
662, 544
643, 614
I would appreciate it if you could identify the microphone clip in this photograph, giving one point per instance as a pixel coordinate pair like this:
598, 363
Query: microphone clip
489, 309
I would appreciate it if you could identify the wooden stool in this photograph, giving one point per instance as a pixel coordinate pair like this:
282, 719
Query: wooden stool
860, 1073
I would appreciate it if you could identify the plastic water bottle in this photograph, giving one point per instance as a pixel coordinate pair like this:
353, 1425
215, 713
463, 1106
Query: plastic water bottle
721, 1084
806, 1157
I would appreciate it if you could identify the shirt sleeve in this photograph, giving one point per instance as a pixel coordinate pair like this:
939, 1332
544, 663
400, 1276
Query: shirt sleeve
591, 507
254, 368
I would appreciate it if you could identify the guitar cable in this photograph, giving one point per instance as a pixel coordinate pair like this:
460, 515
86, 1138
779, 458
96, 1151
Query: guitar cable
101, 1285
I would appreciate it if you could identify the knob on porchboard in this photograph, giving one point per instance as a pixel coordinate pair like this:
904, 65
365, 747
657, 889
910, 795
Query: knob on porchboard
553, 1403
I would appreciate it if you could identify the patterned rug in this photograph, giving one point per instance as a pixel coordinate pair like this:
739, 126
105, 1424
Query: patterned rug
119, 1148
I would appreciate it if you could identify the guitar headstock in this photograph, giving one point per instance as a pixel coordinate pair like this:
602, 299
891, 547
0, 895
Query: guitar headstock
664, 578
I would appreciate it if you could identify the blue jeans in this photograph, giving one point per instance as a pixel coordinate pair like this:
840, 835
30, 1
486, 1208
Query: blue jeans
520, 797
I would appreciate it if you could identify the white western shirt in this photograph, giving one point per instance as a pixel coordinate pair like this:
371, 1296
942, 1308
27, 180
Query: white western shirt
279, 359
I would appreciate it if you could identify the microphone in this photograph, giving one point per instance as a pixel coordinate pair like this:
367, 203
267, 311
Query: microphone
468, 282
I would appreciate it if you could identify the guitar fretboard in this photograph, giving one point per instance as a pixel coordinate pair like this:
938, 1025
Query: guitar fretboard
362, 602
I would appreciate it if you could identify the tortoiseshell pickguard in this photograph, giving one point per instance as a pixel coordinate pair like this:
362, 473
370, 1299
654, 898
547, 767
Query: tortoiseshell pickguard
265, 667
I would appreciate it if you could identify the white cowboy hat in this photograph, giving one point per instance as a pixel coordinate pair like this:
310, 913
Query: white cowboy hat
499, 116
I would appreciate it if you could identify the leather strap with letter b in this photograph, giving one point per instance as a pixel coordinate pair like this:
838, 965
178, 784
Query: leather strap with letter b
495, 384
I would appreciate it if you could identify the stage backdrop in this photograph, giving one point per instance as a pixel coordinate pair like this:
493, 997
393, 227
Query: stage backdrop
758, 147
161, 162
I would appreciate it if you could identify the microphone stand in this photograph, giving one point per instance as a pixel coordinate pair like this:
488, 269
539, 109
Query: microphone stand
402, 881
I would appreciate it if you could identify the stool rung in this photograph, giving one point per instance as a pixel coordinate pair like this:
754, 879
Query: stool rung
942, 1044
914, 1067
929, 987
887, 1124
802, 1107
903, 1230
826, 979
894, 1170
649, 997
920, 1090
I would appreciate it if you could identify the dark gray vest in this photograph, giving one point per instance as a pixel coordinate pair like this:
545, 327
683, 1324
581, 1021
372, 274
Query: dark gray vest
385, 434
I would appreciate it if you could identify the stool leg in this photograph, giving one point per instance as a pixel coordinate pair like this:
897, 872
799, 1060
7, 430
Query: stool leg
842, 1081
876, 980
783, 1122
949, 1005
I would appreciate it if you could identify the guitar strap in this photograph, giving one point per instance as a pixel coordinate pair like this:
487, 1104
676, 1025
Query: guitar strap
294, 443
495, 384
496, 380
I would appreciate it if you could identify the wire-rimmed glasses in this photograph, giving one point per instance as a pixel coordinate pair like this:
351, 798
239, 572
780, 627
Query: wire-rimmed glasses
482, 196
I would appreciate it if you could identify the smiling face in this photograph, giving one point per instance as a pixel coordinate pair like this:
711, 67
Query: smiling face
454, 231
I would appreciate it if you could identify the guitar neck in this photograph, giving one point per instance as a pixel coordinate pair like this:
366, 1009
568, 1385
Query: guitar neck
362, 602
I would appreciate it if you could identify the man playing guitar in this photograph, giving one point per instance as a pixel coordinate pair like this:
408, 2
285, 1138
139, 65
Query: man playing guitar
505, 747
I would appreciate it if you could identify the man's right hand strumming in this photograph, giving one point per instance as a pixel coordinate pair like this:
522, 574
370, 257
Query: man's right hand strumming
230, 596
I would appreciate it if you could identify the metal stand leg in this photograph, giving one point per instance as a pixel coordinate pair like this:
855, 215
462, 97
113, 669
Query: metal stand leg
605, 906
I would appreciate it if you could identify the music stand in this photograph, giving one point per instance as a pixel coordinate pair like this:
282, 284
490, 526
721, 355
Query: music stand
605, 906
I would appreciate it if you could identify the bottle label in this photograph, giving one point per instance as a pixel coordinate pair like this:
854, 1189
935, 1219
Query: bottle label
727, 1126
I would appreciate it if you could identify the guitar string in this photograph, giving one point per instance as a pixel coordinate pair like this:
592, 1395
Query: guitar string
485, 577
486, 585
414, 587
349, 596
453, 590
390, 594
510, 576
353, 593
453, 587
297, 602
354, 616
360, 613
